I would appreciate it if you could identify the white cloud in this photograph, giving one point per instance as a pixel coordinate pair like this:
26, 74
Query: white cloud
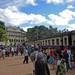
12, 8
17, 18
18, 3
69, 1
63, 19
70, 6
71, 27
25, 28
32, 2
58, 1
55, 1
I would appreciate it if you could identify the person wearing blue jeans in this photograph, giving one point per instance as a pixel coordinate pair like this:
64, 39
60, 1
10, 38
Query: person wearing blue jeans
69, 58
51, 55
51, 58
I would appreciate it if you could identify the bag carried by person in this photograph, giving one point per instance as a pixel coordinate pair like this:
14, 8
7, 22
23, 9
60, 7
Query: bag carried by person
32, 56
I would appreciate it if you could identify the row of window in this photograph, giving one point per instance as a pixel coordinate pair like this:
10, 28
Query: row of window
16, 35
13, 40
48, 42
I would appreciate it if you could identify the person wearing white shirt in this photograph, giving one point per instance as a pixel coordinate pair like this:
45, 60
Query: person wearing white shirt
25, 55
12, 51
3, 53
69, 58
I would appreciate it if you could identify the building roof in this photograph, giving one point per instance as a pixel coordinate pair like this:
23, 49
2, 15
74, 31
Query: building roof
14, 29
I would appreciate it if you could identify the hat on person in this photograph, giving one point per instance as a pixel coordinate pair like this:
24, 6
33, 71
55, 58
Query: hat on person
65, 50
39, 55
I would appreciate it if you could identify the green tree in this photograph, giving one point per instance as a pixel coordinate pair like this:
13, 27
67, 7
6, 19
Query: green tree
2, 25
3, 35
15, 42
42, 32
11, 43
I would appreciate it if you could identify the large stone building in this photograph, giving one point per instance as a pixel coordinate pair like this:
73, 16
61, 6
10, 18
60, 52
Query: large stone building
15, 33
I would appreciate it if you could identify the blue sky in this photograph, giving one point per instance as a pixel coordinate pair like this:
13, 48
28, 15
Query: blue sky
30, 13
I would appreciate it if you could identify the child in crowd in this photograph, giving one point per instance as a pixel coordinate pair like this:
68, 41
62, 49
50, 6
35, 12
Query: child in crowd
61, 65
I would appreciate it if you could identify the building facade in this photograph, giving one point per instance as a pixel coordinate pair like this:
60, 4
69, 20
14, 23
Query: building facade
15, 33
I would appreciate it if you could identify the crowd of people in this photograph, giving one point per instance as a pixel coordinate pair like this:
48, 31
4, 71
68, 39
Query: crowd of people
6, 51
41, 58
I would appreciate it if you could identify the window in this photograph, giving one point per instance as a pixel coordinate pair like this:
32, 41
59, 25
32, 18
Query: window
57, 41
48, 42
43, 42
65, 41
52, 41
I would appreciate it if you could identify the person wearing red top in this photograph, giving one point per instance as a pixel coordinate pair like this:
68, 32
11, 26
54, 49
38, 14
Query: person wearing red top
51, 55
18, 48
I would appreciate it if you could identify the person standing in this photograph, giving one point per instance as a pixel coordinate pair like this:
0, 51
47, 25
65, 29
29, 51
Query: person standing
15, 50
61, 65
3, 53
51, 55
48, 54
8, 51
65, 56
69, 58
12, 51
21, 50
29, 50
41, 67
25, 55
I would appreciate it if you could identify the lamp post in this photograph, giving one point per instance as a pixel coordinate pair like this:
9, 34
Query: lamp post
37, 33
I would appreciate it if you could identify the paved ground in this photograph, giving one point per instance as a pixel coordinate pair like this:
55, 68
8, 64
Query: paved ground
14, 66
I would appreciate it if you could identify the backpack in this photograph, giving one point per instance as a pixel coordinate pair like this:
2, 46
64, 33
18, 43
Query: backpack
32, 56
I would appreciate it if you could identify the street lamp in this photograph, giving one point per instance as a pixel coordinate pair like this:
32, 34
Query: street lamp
37, 33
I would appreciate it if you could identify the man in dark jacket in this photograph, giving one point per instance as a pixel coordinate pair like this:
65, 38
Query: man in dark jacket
41, 67
65, 56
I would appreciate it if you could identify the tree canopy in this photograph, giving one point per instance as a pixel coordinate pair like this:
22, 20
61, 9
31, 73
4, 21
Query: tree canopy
3, 35
2, 25
41, 32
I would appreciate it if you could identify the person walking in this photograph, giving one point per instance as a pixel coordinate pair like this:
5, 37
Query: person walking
69, 58
41, 67
51, 55
25, 55
3, 53
65, 56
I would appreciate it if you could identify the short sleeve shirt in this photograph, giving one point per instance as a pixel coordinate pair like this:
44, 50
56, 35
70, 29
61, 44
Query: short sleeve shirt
58, 62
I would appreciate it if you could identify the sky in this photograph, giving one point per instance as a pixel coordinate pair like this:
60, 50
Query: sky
29, 13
